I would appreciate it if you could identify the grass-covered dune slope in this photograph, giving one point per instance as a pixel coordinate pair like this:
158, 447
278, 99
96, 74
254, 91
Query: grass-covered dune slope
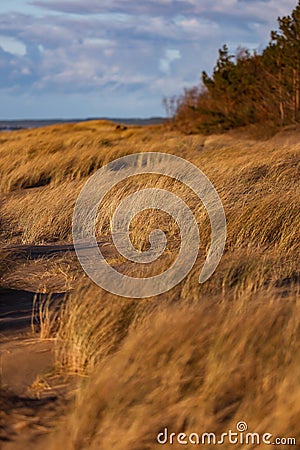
199, 357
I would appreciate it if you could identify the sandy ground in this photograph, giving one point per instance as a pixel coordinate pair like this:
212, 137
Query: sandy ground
32, 395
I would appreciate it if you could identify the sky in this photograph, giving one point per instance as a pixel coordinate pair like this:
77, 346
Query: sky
118, 58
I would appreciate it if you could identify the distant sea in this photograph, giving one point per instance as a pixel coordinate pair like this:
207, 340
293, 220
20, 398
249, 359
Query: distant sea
10, 125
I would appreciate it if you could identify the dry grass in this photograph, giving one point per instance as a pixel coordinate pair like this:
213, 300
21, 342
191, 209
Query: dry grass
254, 179
94, 323
197, 358
194, 370
58, 153
45, 316
7, 262
50, 275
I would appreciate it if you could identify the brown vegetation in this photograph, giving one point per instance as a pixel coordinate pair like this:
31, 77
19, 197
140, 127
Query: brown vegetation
200, 357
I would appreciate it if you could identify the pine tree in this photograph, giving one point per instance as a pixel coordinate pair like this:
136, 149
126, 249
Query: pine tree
248, 88
288, 42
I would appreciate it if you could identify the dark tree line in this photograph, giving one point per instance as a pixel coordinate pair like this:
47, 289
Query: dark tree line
246, 88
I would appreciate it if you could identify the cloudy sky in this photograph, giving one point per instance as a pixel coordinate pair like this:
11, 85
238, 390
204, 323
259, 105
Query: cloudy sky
117, 58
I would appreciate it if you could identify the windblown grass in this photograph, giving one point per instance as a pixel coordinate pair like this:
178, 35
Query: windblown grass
194, 369
60, 153
94, 323
254, 179
199, 357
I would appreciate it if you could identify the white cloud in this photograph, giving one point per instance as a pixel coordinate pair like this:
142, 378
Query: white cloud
170, 56
12, 45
